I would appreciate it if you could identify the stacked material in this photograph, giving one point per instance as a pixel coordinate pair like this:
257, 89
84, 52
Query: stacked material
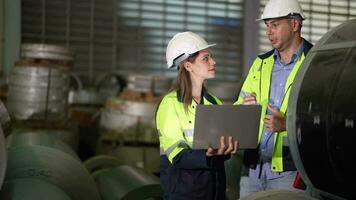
39, 83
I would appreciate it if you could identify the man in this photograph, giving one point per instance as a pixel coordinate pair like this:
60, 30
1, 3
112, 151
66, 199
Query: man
269, 83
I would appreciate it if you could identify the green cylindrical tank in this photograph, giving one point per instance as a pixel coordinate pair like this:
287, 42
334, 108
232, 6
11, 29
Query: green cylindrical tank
40, 138
47, 136
39, 156
100, 162
30, 189
126, 183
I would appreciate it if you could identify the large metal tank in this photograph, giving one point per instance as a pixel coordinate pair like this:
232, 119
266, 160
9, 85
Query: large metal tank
129, 120
128, 132
39, 82
45, 157
30, 189
321, 119
47, 52
125, 182
63, 140
38, 93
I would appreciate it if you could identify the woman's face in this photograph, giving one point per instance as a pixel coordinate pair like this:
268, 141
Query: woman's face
203, 67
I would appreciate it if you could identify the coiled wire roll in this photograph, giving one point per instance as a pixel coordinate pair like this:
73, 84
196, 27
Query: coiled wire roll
41, 156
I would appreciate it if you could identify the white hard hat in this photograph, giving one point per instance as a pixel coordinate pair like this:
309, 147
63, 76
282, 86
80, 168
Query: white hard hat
182, 45
281, 8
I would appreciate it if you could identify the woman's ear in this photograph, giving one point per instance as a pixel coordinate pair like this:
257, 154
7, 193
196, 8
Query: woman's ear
188, 66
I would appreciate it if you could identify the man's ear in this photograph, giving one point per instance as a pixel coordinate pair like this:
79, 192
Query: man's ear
296, 25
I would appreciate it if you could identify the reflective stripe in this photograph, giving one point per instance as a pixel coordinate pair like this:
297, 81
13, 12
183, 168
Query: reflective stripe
171, 148
188, 132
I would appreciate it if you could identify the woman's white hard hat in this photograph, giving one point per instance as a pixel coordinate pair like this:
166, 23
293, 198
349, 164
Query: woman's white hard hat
281, 8
182, 45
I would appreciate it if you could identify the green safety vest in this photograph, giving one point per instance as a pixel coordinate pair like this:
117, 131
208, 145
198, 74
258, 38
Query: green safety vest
175, 125
258, 80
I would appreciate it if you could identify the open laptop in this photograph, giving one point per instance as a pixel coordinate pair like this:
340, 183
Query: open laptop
239, 121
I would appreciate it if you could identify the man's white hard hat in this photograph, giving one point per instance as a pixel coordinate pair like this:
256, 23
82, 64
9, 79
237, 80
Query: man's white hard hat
281, 8
182, 45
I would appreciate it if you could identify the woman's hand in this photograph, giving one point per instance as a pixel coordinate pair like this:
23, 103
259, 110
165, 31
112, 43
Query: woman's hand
223, 150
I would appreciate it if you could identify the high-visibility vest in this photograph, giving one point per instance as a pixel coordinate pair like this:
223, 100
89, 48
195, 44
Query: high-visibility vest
175, 125
258, 80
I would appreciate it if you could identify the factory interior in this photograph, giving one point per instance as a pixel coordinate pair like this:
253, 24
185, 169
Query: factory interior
80, 82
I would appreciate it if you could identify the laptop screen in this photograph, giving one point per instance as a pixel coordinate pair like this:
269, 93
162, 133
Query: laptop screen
239, 121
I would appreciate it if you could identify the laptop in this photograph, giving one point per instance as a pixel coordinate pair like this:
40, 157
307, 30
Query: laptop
239, 121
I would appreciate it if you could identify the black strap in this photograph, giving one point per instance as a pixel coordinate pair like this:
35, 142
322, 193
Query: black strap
210, 98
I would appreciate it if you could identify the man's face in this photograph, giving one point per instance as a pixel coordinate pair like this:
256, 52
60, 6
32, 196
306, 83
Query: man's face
280, 32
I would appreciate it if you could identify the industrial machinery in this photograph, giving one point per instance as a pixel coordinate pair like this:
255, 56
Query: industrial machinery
322, 115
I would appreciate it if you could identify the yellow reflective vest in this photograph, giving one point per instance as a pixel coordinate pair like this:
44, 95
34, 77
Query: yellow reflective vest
175, 125
258, 80
187, 173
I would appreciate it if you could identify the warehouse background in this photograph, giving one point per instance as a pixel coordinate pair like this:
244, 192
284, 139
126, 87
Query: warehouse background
88, 96
131, 35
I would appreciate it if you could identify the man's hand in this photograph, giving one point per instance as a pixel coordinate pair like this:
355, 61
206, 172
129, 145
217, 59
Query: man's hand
250, 99
222, 150
275, 122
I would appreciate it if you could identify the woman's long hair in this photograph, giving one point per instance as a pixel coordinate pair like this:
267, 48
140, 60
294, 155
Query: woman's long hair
183, 83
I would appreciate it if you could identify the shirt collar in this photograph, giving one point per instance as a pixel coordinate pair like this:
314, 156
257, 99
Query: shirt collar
296, 54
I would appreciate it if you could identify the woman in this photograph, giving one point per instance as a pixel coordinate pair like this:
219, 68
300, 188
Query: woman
187, 173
